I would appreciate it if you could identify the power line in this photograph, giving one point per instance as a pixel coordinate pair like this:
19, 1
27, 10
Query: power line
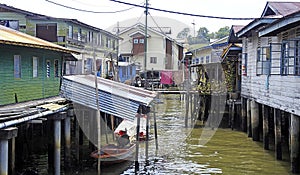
89, 11
182, 13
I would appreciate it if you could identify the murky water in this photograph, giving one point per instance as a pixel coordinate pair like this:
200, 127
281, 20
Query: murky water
180, 152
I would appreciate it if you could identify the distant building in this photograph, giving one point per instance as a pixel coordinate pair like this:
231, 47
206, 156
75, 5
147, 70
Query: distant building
92, 42
30, 68
163, 53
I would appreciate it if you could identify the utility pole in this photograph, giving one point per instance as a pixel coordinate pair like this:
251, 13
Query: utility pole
145, 45
146, 33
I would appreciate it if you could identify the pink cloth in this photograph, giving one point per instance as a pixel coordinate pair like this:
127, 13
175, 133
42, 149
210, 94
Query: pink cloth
166, 77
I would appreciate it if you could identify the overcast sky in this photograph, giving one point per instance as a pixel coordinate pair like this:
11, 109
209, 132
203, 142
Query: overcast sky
220, 8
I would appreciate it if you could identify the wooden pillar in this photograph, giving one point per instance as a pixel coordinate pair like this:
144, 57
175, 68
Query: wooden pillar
244, 115
12, 157
187, 102
137, 141
255, 120
5, 135
266, 114
155, 128
277, 129
294, 147
249, 130
67, 132
232, 114
147, 139
266, 125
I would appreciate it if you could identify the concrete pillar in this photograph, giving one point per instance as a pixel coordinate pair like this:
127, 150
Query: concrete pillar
255, 120
277, 129
249, 130
57, 140
244, 115
294, 139
266, 113
5, 135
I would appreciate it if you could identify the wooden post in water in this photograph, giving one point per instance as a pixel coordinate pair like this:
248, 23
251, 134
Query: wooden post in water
5, 135
255, 120
294, 140
249, 130
277, 129
155, 127
67, 152
266, 113
12, 157
232, 114
147, 139
137, 140
187, 102
244, 115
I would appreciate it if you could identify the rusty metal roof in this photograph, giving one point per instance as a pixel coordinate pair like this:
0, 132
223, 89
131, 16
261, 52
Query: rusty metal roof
12, 37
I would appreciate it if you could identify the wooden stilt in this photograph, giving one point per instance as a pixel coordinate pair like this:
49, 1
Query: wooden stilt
277, 129
187, 103
266, 113
137, 141
294, 147
249, 130
244, 115
255, 120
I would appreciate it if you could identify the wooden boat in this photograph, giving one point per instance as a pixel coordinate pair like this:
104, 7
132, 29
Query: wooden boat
112, 154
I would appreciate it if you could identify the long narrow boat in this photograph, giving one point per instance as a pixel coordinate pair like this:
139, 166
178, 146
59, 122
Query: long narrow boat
112, 154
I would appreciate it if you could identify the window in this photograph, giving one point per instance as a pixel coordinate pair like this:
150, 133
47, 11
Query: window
142, 40
207, 59
135, 41
70, 33
290, 62
79, 34
48, 68
263, 61
153, 60
34, 67
13, 24
244, 64
17, 66
202, 60
56, 70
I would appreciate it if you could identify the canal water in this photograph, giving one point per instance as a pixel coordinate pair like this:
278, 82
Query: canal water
180, 151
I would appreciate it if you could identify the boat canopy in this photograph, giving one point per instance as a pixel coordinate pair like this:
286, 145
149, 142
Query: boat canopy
114, 98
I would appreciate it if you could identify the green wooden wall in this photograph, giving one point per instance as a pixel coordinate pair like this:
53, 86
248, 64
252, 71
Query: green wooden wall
27, 87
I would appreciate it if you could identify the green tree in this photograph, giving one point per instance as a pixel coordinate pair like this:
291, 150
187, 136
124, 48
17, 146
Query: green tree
184, 33
202, 33
222, 32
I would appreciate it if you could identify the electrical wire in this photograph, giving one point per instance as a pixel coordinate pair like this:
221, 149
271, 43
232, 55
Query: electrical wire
182, 13
89, 11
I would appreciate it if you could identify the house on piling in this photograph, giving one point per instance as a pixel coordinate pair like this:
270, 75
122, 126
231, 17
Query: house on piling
31, 68
270, 81
93, 43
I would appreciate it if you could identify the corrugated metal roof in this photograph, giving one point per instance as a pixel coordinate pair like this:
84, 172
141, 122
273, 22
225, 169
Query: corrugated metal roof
12, 37
280, 8
114, 98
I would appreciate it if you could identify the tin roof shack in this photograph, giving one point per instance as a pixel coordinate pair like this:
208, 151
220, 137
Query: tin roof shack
70, 33
271, 57
30, 67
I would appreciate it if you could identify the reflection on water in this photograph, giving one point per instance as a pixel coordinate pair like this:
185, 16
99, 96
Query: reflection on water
227, 152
